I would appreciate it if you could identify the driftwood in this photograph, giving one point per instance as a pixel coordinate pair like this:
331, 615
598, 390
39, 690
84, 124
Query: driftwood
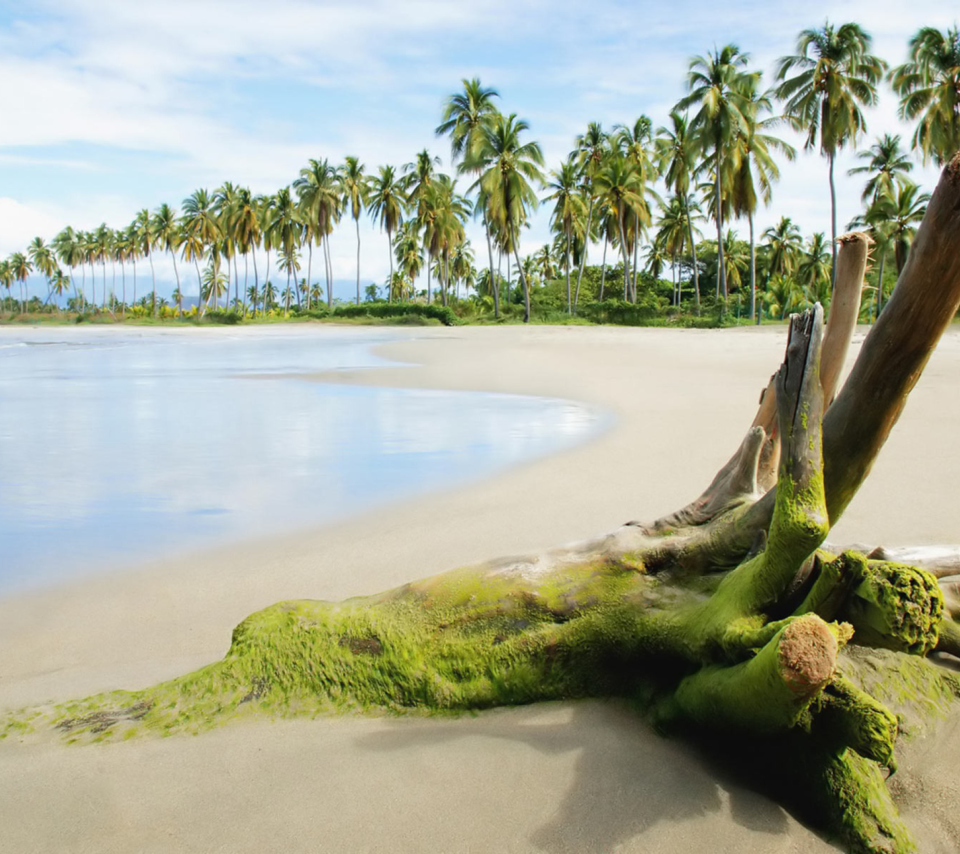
728, 616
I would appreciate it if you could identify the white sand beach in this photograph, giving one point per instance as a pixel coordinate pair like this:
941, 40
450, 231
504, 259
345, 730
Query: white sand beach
561, 777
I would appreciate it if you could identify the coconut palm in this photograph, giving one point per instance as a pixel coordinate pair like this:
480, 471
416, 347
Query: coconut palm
284, 232
102, 243
620, 187
6, 275
677, 154
166, 234
715, 83
225, 201
784, 244
590, 151
886, 167
636, 144
905, 212
753, 167
813, 268
318, 190
466, 115
246, 230
387, 204
355, 192
21, 268
201, 231
929, 90
43, 261
568, 211
409, 254
68, 252
835, 78
507, 167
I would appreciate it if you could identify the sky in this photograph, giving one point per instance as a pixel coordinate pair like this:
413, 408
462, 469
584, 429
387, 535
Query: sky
111, 106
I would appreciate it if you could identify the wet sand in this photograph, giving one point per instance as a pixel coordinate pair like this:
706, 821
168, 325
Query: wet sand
578, 777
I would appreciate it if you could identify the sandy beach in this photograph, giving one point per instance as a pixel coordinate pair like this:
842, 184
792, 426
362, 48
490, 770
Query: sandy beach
571, 777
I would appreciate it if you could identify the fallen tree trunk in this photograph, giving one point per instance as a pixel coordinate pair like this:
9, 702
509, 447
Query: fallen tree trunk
728, 616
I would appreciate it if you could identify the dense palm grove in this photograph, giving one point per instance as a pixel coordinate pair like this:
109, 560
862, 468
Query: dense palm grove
647, 196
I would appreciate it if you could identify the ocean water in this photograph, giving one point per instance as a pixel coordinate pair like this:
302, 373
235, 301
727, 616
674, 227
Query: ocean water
118, 446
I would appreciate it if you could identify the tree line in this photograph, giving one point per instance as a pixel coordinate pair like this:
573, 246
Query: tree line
717, 157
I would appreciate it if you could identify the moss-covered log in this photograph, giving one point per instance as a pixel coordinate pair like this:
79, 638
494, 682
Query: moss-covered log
728, 616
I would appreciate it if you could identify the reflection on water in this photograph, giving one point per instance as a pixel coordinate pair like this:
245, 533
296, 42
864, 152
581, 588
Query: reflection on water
125, 445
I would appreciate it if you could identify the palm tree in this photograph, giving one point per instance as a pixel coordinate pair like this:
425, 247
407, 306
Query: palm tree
318, 190
6, 275
225, 201
672, 235
929, 90
635, 144
387, 203
814, 266
355, 192
466, 116
67, 249
284, 233
165, 231
836, 77
21, 268
905, 212
419, 177
409, 254
619, 186
784, 244
144, 241
200, 230
677, 153
43, 261
886, 165
507, 166
103, 240
591, 149
568, 211
714, 83
246, 227
752, 152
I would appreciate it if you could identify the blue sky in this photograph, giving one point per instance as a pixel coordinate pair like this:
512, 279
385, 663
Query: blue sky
109, 106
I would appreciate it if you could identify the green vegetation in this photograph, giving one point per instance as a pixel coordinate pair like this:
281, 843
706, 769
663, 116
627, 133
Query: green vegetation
718, 160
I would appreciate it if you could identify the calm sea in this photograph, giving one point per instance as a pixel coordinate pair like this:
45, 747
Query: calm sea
118, 446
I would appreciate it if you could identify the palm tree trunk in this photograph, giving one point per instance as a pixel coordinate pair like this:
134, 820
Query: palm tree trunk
428, 277
626, 260
693, 254
329, 271
390, 254
569, 300
153, 278
123, 281
134, 278
176, 273
493, 280
357, 221
523, 281
603, 266
246, 277
753, 270
201, 302
83, 286
833, 221
721, 269
309, 270
443, 285
636, 249
256, 279
583, 256
878, 302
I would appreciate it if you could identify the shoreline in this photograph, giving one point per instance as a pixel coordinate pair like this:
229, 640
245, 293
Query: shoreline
548, 777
